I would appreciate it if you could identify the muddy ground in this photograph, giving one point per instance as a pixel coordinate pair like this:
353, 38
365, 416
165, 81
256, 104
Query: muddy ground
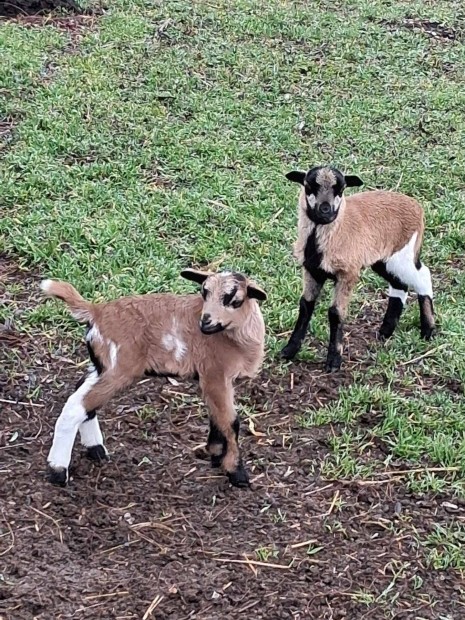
156, 533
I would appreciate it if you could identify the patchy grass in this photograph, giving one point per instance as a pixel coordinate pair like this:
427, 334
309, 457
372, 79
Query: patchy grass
157, 136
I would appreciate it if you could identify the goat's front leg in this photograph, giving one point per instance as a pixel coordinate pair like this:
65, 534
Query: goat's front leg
311, 292
222, 444
336, 314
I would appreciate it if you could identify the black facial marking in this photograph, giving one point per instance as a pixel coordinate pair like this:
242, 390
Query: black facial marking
228, 297
205, 292
391, 318
312, 260
380, 268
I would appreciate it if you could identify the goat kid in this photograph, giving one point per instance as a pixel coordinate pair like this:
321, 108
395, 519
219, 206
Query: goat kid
216, 337
338, 236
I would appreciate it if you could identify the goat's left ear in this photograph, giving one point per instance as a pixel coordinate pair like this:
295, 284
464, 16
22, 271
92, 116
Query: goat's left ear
296, 176
195, 275
255, 292
353, 180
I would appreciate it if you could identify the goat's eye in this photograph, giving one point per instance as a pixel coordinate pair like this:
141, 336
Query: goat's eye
205, 292
237, 303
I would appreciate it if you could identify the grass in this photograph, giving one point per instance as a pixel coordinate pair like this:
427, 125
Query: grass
162, 141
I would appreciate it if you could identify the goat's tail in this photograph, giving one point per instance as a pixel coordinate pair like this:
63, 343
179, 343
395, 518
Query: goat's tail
81, 309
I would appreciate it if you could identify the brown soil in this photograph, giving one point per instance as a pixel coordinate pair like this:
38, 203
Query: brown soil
155, 533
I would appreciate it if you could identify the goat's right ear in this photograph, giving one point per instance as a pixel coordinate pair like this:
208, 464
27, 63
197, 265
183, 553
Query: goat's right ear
255, 292
296, 176
353, 180
195, 275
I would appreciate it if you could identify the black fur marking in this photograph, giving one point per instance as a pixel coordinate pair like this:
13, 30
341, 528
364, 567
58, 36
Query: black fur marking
154, 373
93, 358
418, 263
391, 318
334, 358
216, 437
312, 260
236, 426
97, 453
227, 299
58, 477
80, 382
427, 327
239, 477
91, 414
306, 309
380, 268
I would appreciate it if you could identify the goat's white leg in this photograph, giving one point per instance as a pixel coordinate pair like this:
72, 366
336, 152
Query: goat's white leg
92, 438
66, 427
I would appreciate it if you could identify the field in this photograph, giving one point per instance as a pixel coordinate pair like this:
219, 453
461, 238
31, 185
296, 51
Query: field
154, 136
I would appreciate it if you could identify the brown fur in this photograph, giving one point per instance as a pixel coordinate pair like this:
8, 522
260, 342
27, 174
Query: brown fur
160, 334
388, 221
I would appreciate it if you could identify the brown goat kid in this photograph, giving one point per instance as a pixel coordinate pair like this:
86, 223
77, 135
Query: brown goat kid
216, 337
338, 236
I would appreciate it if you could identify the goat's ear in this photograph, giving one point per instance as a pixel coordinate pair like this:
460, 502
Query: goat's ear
195, 275
255, 292
296, 176
353, 180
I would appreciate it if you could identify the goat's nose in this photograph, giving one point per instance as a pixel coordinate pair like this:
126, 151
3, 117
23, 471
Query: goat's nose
206, 319
325, 208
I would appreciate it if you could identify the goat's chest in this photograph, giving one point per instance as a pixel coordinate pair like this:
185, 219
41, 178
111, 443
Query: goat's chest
314, 259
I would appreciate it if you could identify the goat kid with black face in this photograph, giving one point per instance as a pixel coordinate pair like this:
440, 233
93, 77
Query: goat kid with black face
216, 337
338, 236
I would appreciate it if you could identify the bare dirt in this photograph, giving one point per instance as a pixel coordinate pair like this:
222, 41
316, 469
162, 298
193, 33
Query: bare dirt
155, 533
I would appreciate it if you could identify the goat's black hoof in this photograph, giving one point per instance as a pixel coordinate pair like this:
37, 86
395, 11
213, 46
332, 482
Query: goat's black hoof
428, 333
384, 335
333, 364
239, 477
290, 351
58, 477
97, 454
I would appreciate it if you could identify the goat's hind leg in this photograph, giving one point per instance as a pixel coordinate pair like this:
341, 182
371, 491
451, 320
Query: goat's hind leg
72, 416
92, 438
397, 293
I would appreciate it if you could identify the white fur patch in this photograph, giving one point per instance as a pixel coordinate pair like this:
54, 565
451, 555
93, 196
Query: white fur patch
396, 292
225, 274
311, 200
90, 432
67, 424
337, 201
173, 343
94, 335
46, 285
402, 265
113, 348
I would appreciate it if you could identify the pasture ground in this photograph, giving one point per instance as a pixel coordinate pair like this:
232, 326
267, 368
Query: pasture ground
156, 135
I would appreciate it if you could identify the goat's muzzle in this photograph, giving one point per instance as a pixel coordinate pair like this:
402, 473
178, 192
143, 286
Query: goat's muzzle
323, 213
207, 327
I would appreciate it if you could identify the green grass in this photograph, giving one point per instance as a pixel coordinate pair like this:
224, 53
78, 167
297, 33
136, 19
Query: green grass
162, 142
